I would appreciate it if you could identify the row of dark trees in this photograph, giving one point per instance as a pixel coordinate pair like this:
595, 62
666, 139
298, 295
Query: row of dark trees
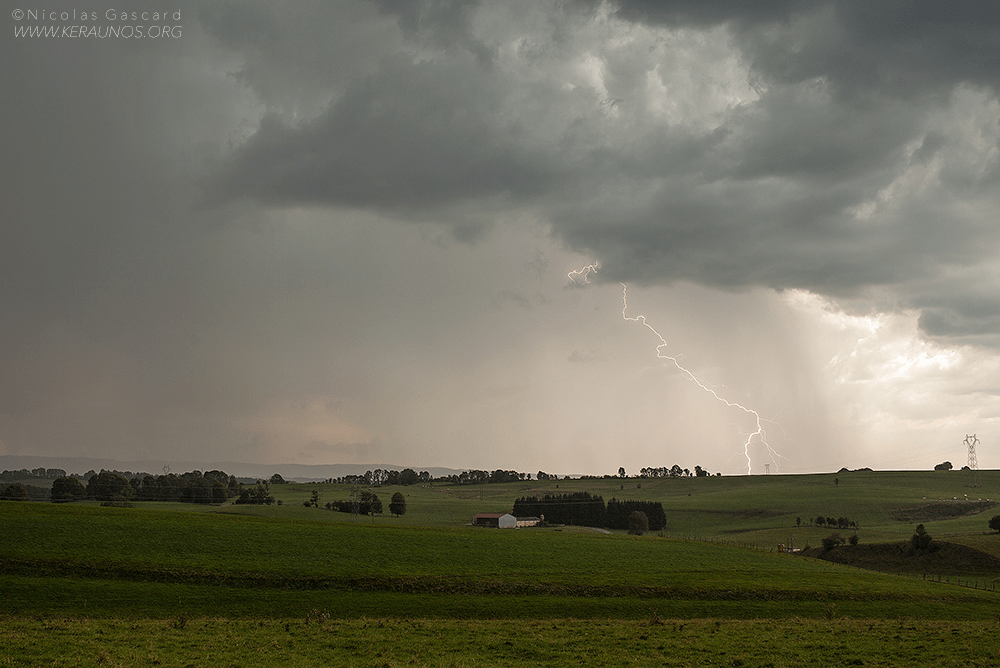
29, 474
362, 502
839, 522
674, 471
18, 492
384, 477
116, 486
620, 511
377, 477
160, 489
577, 508
259, 495
582, 509
477, 477
190, 487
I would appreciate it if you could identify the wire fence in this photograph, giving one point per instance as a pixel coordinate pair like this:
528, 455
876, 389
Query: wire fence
987, 584
971, 582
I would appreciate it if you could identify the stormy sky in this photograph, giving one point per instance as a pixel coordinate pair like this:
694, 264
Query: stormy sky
341, 232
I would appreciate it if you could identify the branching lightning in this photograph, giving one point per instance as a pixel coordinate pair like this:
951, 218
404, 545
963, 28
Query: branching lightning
582, 276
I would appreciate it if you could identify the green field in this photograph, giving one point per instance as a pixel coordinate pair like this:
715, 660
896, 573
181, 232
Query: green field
759, 510
165, 584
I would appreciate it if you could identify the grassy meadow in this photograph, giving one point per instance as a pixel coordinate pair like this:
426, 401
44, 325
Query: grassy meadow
178, 584
760, 509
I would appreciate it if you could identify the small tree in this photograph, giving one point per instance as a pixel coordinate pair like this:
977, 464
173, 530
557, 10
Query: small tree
820, 520
995, 522
397, 505
921, 540
943, 466
638, 523
314, 499
798, 521
853, 540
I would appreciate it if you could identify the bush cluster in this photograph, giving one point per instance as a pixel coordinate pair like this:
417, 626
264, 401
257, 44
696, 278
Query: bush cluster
362, 503
839, 522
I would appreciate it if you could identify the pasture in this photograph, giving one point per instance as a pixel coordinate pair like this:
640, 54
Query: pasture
177, 584
760, 509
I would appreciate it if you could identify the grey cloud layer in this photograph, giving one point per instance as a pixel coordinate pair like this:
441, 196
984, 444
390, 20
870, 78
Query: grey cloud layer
231, 243
849, 101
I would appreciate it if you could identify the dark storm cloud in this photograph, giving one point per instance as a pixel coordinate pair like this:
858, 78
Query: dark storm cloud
900, 47
296, 56
708, 14
443, 24
799, 186
407, 137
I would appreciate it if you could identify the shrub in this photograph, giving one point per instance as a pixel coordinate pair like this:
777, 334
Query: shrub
638, 523
117, 503
832, 541
995, 522
14, 492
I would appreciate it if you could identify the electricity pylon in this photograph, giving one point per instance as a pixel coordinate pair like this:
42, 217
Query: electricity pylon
972, 441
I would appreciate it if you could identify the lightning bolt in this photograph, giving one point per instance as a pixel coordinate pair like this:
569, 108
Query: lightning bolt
582, 276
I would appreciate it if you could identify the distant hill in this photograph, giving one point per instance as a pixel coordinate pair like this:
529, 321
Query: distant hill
298, 472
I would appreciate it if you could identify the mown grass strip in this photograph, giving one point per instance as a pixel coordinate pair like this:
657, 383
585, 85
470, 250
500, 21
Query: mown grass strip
438, 584
388, 642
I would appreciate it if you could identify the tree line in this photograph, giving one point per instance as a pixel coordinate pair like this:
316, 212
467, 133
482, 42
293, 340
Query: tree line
583, 509
620, 511
379, 477
674, 471
839, 522
123, 487
362, 502
28, 474
18, 492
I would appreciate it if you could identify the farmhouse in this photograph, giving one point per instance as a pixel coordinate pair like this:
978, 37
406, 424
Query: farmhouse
495, 520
